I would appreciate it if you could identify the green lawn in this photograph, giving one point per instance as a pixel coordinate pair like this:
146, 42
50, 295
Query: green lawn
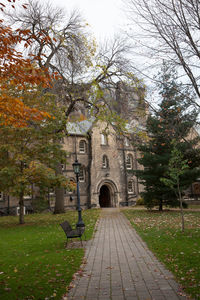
180, 252
34, 263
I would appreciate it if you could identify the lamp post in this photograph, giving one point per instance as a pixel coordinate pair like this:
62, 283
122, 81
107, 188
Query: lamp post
76, 166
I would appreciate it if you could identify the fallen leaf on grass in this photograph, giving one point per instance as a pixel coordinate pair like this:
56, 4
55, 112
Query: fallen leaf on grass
71, 286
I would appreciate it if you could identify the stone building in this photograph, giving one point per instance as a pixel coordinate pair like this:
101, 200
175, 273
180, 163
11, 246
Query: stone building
106, 161
106, 158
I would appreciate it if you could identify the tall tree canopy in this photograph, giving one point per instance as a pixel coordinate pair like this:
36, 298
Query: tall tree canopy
174, 120
29, 155
66, 48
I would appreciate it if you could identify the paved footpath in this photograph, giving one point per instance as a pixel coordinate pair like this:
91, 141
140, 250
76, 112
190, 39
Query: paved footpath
119, 266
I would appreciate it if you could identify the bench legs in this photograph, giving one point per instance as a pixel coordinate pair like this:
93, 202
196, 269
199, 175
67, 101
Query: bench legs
71, 239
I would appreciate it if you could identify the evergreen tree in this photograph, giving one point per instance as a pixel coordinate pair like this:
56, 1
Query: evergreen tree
177, 167
174, 120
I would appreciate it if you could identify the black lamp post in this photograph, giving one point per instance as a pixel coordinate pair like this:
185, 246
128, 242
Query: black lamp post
76, 166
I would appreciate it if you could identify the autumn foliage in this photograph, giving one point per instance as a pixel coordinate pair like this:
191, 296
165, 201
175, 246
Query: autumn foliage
18, 74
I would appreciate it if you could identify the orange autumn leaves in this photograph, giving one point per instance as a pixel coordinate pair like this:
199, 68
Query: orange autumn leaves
18, 74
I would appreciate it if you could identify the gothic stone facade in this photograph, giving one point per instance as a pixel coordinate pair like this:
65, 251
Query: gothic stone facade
106, 179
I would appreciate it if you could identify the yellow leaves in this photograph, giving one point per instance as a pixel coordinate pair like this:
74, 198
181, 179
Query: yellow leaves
143, 135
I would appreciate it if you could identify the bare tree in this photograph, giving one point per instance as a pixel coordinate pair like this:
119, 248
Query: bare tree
169, 30
63, 45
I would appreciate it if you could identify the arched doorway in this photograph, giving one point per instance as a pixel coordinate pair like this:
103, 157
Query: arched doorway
104, 196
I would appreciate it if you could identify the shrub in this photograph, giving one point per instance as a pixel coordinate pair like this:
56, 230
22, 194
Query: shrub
140, 201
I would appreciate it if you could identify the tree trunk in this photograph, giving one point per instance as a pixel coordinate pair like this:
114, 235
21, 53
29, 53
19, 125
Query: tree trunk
21, 209
59, 203
160, 205
59, 195
181, 210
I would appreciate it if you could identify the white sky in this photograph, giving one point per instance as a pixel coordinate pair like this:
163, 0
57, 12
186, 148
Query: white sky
104, 16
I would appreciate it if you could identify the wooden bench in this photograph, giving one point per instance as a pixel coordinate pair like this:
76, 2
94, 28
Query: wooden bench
72, 233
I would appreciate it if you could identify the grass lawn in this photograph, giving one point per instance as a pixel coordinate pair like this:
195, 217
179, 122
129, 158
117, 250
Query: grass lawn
34, 263
180, 252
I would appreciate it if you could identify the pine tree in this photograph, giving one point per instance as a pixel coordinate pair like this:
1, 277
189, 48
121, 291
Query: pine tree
174, 120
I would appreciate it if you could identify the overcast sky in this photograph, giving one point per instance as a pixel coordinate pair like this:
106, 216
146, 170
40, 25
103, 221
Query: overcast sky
105, 17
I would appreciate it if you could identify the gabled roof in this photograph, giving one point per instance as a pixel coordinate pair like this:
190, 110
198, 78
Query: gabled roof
82, 127
79, 128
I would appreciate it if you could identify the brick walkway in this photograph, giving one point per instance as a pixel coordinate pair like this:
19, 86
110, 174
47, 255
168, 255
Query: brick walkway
120, 266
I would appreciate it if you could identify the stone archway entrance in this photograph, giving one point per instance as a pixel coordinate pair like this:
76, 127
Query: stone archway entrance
104, 196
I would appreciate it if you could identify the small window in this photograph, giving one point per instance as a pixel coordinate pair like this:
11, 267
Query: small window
129, 162
104, 139
82, 146
127, 142
131, 187
63, 167
105, 162
1, 196
82, 175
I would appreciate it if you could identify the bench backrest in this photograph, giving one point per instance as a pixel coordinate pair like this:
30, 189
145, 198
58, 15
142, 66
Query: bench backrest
66, 226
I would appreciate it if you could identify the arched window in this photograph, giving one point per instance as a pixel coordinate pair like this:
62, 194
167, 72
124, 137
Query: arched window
104, 139
82, 175
105, 162
82, 146
131, 187
129, 162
